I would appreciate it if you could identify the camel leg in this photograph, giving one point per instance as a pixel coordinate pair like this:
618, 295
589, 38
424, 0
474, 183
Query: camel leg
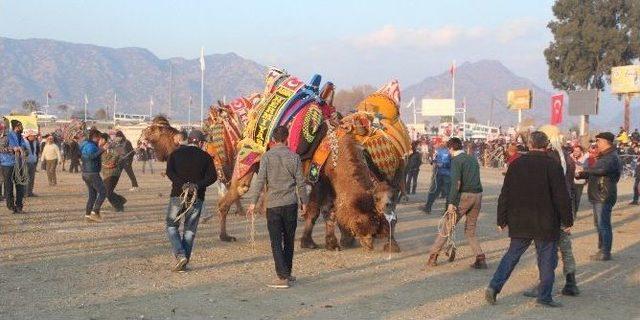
346, 238
331, 242
366, 242
310, 217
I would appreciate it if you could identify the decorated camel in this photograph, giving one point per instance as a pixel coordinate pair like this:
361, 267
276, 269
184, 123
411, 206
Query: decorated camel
385, 143
334, 161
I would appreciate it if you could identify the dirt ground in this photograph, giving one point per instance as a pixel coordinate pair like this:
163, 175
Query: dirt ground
54, 265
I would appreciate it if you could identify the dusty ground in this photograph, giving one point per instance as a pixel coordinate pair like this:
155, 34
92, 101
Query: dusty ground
53, 265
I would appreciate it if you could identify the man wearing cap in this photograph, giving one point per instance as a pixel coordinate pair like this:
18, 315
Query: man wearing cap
8, 163
603, 178
126, 159
32, 160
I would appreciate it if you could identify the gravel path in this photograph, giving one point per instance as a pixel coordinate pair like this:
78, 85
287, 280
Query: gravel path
53, 265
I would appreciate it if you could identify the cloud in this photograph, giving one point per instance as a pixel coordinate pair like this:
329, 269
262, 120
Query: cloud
390, 36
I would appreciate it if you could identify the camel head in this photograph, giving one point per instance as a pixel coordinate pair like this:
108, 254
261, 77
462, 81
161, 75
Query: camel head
160, 135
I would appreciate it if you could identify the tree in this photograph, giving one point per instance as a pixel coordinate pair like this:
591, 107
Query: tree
63, 108
346, 100
590, 37
100, 114
30, 105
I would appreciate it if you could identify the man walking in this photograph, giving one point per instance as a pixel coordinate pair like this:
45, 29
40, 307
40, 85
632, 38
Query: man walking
9, 165
91, 150
603, 178
51, 155
74, 155
191, 171
413, 169
533, 204
32, 161
111, 174
281, 173
127, 158
465, 198
441, 181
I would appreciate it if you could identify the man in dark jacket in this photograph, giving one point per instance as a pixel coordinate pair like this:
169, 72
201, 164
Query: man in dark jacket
603, 178
74, 155
191, 171
534, 203
127, 158
413, 169
441, 180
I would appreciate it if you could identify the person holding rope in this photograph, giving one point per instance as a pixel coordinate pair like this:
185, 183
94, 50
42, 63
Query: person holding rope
534, 203
14, 168
127, 158
191, 171
465, 199
111, 171
281, 173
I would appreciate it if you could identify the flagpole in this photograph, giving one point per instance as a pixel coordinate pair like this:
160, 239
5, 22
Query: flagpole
115, 103
202, 87
453, 80
86, 100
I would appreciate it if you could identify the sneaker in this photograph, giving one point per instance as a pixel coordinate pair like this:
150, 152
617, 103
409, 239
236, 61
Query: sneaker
94, 217
280, 284
134, 189
180, 264
550, 304
490, 295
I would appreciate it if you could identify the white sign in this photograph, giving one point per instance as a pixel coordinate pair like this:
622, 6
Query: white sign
438, 107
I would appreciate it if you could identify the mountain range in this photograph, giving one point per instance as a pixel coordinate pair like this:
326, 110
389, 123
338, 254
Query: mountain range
30, 68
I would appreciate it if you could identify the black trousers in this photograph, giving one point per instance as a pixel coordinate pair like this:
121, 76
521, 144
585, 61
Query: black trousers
132, 176
282, 223
75, 164
117, 201
9, 184
412, 182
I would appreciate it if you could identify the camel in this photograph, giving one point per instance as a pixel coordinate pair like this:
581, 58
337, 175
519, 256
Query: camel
160, 135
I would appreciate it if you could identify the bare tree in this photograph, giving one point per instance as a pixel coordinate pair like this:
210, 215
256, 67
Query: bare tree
346, 100
100, 114
30, 105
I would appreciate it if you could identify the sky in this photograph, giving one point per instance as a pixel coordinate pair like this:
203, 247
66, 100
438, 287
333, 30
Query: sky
348, 42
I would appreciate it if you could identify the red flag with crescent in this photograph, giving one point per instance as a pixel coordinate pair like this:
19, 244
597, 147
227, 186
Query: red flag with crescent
557, 102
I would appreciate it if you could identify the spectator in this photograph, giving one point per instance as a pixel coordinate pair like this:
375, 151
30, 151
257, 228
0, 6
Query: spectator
74, 155
603, 178
413, 169
32, 161
51, 155
9, 165
144, 156
440, 180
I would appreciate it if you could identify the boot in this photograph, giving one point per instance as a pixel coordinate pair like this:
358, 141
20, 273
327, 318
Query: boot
571, 286
481, 262
433, 260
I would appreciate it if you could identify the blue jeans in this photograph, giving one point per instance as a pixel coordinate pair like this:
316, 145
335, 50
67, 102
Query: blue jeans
182, 245
602, 222
440, 185
97, 192
547, 252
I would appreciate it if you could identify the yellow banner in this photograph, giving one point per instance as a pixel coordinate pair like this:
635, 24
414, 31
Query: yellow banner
29, 123
625, 79
520, 99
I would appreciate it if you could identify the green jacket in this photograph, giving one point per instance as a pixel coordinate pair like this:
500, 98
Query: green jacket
465, 177
110, 163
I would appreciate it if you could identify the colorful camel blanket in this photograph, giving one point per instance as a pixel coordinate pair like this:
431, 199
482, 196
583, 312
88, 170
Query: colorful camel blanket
287, 101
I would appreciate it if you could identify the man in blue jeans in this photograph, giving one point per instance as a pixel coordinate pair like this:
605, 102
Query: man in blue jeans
191, 171
441, 178
91, 149
8, 162
603, 178
533, 204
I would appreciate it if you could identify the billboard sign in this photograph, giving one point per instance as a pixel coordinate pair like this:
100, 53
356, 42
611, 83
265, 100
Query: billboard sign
520, 99
438, 107
583, 102
625, 79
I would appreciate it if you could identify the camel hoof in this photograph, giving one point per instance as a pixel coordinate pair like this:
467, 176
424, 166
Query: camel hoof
347, 242
367, 244
391, 247
308, 244
331, 244
227, 238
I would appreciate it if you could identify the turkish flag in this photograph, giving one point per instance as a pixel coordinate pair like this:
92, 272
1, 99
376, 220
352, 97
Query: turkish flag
556, 108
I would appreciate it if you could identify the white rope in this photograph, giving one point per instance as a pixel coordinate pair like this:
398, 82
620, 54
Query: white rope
21, 171
187, 200
447, 229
